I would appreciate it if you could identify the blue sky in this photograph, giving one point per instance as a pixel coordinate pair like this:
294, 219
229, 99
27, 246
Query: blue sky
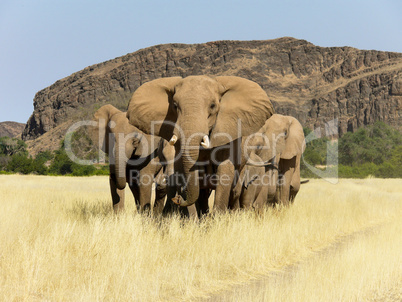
43, 41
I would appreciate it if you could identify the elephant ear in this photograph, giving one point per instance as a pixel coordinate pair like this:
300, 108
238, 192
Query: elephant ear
295, 143
244, 108
149, 108
100, 133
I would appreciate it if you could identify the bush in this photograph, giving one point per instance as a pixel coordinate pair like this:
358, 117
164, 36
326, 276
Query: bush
60, 164
63, 165
83, 170
372, 144
375, 150
20, 163
102, 170
4, 160
10, 146
44, 156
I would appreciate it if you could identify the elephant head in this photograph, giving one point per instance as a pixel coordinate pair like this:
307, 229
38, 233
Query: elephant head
198, 111
281, 137
117, 138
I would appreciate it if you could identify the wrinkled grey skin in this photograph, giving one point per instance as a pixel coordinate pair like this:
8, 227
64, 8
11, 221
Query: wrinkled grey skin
272, 164
135, 158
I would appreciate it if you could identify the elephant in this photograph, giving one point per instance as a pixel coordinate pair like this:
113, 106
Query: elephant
271, 173
249, 186
198, 113
134, 158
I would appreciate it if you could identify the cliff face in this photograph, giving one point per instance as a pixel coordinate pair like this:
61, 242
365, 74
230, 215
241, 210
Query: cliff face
11, 129
313, 84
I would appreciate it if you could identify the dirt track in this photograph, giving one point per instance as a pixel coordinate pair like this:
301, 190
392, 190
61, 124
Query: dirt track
256, 290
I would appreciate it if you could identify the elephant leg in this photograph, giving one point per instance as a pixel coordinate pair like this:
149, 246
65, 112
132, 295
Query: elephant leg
225, 177
160, 194
261, 199
250, 188
251, 179
117, 195
250, 192
247, 197
234, 202
145, 189
267, 196
171, 190
199, 208
202, 202
136, 193
295, 182
286, 169
192, 212
187, 212
282, 193
292, 194
270, 185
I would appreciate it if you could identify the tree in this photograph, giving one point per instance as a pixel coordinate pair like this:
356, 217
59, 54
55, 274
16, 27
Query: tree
20, 163
373, 150
10, 146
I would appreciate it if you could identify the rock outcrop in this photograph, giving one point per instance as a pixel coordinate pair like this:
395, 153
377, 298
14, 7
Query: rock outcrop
314, 84
11, 129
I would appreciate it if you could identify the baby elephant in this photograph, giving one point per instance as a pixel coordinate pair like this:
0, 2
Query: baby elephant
134, 158
272, 171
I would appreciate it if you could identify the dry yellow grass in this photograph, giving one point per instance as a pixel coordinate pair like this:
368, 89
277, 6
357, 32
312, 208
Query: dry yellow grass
61, 242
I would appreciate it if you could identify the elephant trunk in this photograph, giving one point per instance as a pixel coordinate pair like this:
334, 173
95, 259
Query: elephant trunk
191, 190
120, 161
190, 147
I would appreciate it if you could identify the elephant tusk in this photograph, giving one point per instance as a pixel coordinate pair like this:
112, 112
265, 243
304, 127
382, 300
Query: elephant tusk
205, 142
173, 140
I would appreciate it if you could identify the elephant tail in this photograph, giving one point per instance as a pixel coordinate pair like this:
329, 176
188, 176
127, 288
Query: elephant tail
304, 181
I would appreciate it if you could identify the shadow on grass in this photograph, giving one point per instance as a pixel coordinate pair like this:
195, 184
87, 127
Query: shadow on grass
83, 210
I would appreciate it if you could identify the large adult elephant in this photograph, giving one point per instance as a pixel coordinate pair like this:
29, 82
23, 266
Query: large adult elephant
134, 158
271, 173
198, 111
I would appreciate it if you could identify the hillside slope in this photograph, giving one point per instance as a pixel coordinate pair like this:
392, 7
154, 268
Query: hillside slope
314, 84
11, 129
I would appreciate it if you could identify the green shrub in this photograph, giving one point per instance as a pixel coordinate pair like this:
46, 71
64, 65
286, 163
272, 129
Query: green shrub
20, 163
375, 150
10, 146
83, 170
372, 144
63, 165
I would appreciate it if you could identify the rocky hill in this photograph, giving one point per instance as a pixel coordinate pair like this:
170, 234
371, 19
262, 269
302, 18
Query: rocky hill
314, 84
11, 129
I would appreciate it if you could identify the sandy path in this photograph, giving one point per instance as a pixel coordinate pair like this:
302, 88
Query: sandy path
256, 290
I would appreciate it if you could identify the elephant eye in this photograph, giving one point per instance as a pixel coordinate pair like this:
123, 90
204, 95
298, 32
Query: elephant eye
213, 105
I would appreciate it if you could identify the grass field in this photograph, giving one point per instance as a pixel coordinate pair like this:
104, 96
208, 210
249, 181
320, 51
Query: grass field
60, 241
